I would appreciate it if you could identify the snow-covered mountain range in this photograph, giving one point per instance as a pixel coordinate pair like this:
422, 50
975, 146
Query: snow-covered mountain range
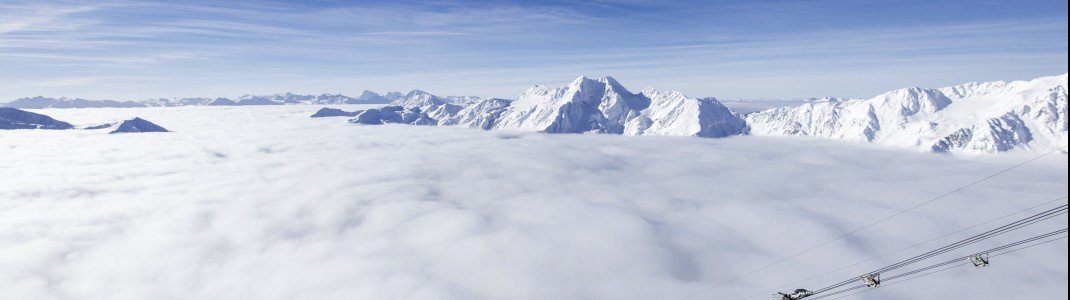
366, 97
974, 117
65, 102
986, 117
586, 105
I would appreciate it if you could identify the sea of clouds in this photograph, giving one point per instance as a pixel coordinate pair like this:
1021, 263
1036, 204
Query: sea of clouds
266, 203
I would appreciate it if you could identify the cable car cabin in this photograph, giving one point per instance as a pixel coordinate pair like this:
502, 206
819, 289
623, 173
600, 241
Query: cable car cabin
798, 294
980, 260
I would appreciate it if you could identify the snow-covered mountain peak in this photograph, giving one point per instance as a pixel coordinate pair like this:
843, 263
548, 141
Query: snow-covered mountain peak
604, 105
974, 89
658, 96
417, 98
611, 82
586, 86
579, 80
910, 101
417, 93
369, 97
653, 93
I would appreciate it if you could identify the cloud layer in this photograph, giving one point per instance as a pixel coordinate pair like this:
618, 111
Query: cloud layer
264, 202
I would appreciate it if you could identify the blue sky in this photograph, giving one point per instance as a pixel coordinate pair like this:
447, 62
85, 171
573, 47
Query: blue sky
727, 49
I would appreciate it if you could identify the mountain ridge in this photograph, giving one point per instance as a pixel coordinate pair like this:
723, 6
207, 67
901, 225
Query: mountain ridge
973, 117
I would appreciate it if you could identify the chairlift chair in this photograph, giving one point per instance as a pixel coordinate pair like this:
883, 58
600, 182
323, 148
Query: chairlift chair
979, 260
872, 280
798, 294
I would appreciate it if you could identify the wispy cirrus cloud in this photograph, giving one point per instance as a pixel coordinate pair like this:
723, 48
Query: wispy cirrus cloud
692, 46
33, 17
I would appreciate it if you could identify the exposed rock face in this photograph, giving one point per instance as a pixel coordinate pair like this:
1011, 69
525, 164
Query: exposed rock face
99, 126
13, 118
333, 112
136, 125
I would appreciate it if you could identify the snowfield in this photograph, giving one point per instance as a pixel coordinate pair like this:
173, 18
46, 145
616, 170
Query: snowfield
264, 202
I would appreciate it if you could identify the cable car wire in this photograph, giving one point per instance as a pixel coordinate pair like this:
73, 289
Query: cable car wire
947, 266
772, 290
849, 233
1048, 214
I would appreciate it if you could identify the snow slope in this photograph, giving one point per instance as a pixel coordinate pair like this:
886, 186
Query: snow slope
482, 114
264, 202
746, 106
970, 118
672, 113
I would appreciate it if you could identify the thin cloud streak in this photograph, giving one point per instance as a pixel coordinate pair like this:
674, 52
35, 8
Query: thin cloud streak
357, 44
